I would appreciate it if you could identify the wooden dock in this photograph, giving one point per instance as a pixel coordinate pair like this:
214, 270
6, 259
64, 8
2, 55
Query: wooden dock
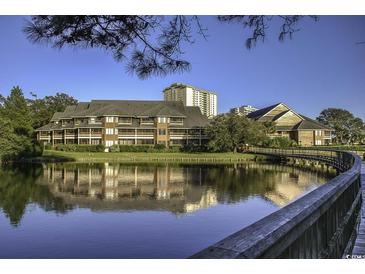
359, 247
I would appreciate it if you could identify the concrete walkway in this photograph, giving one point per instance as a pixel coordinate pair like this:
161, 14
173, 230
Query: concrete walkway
359, 248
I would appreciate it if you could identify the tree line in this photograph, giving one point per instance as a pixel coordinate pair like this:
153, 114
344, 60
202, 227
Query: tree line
19, 117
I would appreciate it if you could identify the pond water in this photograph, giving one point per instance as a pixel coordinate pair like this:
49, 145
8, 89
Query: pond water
113, 210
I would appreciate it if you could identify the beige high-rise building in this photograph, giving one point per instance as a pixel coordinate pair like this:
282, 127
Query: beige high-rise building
192, 96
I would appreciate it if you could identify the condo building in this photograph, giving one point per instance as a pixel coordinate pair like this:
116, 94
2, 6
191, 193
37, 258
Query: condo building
243, 110
192, 96
111, 122
288, 123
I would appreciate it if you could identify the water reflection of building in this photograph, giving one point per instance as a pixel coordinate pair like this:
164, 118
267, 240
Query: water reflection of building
292, 184
283, 184
207, 200
130, 187
176, 188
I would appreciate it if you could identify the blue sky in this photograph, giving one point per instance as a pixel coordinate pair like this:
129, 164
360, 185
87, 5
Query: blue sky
320, 67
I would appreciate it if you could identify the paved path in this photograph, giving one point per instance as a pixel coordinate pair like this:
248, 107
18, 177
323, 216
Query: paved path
359, 248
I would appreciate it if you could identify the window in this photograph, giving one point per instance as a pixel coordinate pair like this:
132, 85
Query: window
145, 132
95, 141
109, 131
109, 143
163, 120
177, 131
83, 141
126, 132
176, 120
125, 120
92, 121
178, 142
318, 142
96, 131
126, 141
84, 131
109, 119
318, 132
162, 131
145, 142
147, 121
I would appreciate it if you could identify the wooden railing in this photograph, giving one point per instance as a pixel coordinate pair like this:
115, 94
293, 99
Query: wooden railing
317, 225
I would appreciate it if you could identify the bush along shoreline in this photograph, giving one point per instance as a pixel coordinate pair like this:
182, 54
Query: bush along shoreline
126, 148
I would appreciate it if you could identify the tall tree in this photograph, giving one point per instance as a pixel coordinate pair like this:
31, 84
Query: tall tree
17, 133
229, 132
356, 131
150, 45
348, 129
42, 109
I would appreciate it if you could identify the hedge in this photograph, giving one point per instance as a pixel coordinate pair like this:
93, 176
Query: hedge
126, 148
79, 148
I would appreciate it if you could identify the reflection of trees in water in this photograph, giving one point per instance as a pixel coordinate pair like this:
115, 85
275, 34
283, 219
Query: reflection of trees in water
18, 189
234, 184
240, 181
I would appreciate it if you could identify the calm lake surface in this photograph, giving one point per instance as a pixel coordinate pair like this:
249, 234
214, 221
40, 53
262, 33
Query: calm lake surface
113, 210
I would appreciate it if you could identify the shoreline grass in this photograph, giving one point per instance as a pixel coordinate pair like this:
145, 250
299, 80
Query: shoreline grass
62, 156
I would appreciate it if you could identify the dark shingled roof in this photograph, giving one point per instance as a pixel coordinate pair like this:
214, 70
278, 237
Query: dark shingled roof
123, 108
309, 123
258, 113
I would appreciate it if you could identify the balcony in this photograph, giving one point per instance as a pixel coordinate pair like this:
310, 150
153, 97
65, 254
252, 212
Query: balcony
145, 132
122, 132
177, 132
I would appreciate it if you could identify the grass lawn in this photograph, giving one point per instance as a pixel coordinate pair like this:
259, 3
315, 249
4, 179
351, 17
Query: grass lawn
52, 155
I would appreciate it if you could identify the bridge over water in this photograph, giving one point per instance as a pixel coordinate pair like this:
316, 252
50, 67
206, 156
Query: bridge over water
321, 224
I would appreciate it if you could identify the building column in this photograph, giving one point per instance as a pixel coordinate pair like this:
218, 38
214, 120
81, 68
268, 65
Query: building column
200, 137
135, 176
187, 136
78, 136
135, 136
89, 136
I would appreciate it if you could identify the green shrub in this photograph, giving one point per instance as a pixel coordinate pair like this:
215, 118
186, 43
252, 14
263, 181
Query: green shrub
159, 147
135, 148
194, 148
79, 148
114, 148
280, 142
35, 149
48, 146
174, 149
